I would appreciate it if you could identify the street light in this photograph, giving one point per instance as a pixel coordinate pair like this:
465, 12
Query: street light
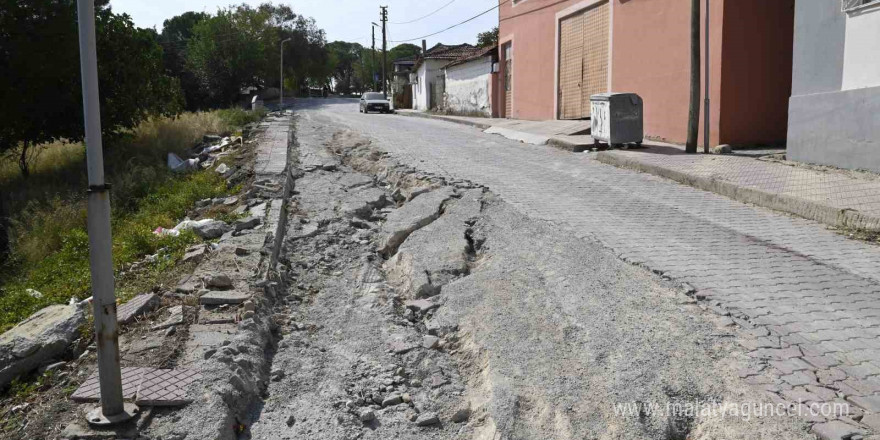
281, 76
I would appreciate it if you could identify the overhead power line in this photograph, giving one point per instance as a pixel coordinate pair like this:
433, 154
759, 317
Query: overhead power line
424, 16
455, 25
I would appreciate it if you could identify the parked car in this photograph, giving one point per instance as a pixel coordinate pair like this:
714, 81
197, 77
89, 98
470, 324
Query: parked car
374, 102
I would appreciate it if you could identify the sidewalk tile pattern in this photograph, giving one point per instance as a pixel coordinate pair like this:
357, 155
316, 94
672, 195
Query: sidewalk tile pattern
90, 390
835, 188
163, 387
146, 386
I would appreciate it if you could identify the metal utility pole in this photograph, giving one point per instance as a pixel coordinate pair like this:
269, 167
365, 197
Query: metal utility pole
373, 53
706, 103
281, 76
694, 110
112, 409
384, 14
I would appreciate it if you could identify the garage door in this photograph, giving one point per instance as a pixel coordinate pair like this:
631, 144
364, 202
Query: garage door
583, 60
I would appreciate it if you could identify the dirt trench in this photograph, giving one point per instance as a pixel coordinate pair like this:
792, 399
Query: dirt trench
477, 322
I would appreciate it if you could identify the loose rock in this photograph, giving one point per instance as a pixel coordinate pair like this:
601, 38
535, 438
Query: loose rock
211, 230
221, 281
427, 419
247, 223
461, 415
45, 335
430, 342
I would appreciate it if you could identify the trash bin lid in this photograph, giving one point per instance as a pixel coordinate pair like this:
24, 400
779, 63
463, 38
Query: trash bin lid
617, 97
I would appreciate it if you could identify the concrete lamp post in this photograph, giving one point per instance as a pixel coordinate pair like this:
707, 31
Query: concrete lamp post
113, 409
281, 76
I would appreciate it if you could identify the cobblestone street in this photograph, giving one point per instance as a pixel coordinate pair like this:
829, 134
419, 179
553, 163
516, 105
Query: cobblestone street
809, 296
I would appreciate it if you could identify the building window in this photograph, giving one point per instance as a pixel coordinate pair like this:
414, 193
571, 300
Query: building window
851, 5
508, 66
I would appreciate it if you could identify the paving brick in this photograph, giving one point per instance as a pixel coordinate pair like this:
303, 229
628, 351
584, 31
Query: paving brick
779, 354
90, 390
870, 403
836, 430
800, 378
136, 307
871, 421
165, 387
863, 387
821, 362
792, 365
860, 371
801, 395
825, 394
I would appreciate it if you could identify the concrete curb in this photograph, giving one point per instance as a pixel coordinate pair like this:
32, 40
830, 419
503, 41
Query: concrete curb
559, 143
563, 144
829, 215
444, 118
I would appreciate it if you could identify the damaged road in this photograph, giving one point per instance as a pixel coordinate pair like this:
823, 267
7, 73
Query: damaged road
421, 307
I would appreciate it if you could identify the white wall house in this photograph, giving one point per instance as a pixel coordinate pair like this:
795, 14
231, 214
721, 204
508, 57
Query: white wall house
834, 111
427, 77
469, 86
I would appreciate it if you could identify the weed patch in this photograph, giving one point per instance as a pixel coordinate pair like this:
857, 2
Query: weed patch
48, 260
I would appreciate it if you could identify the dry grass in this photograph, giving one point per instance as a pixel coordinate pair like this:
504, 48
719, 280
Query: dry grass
48, 240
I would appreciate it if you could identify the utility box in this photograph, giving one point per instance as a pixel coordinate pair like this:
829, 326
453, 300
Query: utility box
617, 118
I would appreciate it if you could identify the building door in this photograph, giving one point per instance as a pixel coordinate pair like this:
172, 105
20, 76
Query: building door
583, 60
507, 79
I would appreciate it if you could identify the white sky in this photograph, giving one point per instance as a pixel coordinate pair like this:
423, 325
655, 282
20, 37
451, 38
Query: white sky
347, 20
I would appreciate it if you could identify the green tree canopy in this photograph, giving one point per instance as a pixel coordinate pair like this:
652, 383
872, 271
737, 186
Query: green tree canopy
40, 84
239, 47
405, 50
488, 38
176, 33
345, 58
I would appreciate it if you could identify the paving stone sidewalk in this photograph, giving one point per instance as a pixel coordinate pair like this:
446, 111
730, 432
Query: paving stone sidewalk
808, 297
272, 147
838, 198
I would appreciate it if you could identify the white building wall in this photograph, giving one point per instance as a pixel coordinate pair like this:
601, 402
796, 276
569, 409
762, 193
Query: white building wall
468, 87
427, 72
861, 59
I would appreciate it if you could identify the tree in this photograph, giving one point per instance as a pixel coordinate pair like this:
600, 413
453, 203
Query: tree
488, 38
239, 48
225, 54
404, 50
694, 108
344, 58
40, 76
175, 36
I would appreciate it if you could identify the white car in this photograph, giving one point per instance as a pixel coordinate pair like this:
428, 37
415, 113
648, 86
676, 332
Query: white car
375, 102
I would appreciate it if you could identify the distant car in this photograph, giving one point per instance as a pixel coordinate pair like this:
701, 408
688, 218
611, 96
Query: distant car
374, 102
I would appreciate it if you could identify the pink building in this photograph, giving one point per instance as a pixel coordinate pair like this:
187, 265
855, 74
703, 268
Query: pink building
555, 54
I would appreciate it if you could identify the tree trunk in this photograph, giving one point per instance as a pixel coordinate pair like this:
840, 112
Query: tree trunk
23, 160
694, 111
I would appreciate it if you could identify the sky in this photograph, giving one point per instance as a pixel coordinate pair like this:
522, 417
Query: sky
346, 20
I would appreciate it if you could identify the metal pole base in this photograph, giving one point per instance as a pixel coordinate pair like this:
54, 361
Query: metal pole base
96, 416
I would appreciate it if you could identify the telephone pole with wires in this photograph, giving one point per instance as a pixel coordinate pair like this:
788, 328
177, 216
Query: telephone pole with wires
373, 53
384, 15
